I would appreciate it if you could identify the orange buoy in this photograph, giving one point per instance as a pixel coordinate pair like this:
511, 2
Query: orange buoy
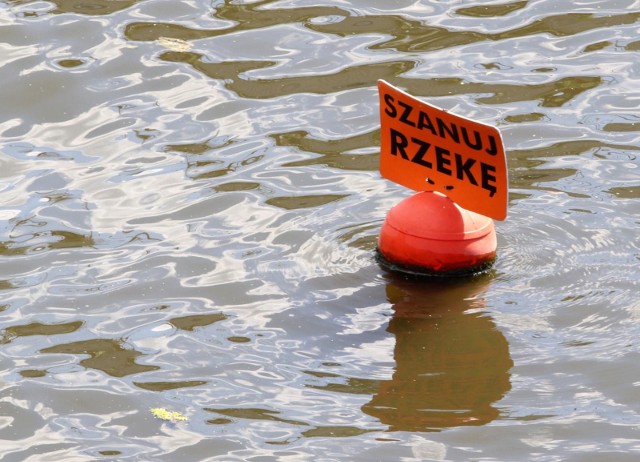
428, 234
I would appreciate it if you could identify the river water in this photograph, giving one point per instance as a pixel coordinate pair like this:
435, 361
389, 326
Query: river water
190, 203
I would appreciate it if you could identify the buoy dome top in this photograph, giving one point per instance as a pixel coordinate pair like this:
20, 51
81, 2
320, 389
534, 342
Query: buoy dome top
431, 215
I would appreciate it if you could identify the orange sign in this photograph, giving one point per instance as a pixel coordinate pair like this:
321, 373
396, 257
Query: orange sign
426, 148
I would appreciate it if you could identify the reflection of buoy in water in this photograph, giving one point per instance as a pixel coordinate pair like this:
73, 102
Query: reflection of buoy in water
428, 234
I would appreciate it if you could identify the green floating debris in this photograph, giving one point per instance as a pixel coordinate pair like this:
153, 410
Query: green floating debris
171, 416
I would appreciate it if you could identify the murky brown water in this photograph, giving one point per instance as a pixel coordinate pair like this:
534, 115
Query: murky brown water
190, 204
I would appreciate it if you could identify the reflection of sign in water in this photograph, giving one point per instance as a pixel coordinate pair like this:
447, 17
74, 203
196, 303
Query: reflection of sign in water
451, 366
426, 148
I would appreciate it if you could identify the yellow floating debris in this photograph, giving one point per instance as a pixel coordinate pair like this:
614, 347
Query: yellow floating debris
172, 416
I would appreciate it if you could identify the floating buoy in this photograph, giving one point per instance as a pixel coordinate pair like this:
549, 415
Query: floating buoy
428, 234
